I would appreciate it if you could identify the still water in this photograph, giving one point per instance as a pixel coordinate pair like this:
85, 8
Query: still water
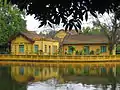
80, 76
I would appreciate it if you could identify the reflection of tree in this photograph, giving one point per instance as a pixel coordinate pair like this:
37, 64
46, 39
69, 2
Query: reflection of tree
104, 87
7, 83
113, 80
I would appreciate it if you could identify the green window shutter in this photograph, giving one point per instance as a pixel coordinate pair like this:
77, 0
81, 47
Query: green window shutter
103, 49
36, 48
71, 49
21, 48
86, 49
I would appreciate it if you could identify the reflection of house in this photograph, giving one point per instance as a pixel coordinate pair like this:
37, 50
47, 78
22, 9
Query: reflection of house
28, 73
30, 43
85, 44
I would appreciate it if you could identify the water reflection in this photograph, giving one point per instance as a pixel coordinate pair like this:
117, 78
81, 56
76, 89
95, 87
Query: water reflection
17, 77
33, 73
8, 83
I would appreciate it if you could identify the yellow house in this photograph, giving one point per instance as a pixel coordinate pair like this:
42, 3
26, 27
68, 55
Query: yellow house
30, 42
59, 36
62, 33
81, 44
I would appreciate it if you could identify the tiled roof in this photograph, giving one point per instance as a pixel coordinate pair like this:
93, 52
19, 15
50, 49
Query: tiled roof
68, 31
85, 39
32, 36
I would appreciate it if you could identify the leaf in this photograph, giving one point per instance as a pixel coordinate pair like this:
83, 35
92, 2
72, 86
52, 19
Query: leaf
58, 20
78, 25
66, 27
70, 26
94, 14
50, 24
76, 29
5, 2
41, 24
86, 16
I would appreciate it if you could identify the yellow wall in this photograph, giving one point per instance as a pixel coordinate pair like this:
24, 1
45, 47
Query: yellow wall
61, 34
51, 45
29, 47
21, 41
91, 47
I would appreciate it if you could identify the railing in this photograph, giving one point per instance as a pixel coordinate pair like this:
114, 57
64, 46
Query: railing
60, 58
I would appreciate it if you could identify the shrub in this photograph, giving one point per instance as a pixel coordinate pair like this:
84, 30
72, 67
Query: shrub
97, 51
91, 52
77, 52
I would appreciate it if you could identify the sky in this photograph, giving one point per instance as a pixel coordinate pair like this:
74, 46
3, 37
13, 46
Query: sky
32, 24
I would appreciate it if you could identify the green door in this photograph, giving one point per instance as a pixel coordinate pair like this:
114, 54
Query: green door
36, 48
21, 48
86, 50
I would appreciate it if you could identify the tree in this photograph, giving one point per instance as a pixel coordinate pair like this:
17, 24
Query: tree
91, 31
48, 34
11, 22
110, 30
48, 12
51, 33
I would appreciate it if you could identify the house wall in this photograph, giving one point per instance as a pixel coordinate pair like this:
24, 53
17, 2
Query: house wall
29, 47
91, 47
20, 40
52, 47
60, 34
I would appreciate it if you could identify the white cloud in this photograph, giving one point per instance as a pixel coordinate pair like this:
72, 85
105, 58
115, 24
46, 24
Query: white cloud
32, 24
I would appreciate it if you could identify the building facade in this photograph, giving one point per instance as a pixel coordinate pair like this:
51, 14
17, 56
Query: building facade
31, 43
86, 45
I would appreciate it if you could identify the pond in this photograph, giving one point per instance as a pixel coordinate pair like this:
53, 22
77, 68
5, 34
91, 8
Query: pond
80, 76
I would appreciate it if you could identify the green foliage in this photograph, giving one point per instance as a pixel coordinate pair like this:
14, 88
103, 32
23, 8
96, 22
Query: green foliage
11, 22
82, 52
92, 52
97, 51
118, 49
77, 53
92, 31
59, 11
72, 49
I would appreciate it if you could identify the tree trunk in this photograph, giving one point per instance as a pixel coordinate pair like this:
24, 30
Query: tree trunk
112, 49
